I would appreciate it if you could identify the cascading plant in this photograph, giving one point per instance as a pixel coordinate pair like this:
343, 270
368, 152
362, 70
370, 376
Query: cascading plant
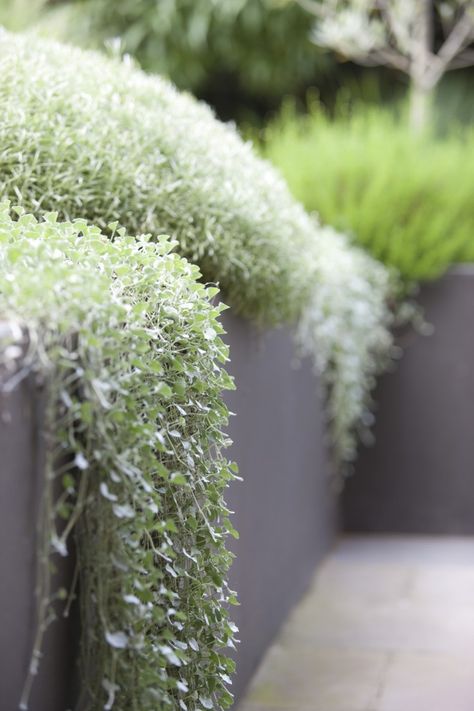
97, 139
128, 341
344, 327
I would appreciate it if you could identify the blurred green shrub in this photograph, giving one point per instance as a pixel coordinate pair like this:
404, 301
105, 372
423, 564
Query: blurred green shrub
257, 47
241, 56
129, 343
19, 14
406, 199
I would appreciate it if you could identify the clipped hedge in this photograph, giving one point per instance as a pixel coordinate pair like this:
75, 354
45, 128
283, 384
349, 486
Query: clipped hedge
92, 138
405, 198
129, 343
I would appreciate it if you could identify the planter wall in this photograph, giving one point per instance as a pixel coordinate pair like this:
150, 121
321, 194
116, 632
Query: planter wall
284, 509
21, 476
419, 476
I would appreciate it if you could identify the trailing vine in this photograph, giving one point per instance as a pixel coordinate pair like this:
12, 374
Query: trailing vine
344, 328
130, 345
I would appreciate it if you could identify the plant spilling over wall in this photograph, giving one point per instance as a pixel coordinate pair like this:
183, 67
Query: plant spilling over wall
344, 326
101, 140
405, 198
129, 344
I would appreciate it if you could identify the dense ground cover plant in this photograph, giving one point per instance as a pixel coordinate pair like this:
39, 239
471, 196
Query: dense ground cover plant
405, 198
96, 139
129, 344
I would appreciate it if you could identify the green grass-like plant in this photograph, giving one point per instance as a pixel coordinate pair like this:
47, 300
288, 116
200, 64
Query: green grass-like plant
129, 344
407, 199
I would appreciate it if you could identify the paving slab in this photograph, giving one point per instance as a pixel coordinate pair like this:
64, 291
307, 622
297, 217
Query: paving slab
338, 674
432, 682
388, 625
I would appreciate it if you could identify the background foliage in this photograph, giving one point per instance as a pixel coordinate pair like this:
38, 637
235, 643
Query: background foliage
405, 198
242, 56
20, 14
130, 345
261, 48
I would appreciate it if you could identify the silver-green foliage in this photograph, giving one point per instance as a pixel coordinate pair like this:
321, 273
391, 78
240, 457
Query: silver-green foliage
129, 343
344, 328
92, 138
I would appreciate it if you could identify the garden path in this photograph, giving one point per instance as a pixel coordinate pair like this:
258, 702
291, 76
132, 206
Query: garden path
388, 625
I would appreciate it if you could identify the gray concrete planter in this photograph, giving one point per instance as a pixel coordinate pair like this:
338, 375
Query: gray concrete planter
284, 510
21, 477
419, 476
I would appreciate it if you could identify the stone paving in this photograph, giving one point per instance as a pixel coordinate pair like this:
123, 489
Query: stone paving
387, 626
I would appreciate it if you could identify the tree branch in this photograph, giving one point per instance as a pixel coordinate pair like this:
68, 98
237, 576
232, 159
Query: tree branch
393, 58
408, 47
461, 34
391, 26
465, 59
459, 38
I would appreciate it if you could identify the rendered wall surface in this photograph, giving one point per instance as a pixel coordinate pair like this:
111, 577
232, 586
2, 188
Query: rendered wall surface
285, 508
21, 477
419, 476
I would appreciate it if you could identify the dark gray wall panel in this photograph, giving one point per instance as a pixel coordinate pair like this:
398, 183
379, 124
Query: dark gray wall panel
21, 481
285, 511
419, 476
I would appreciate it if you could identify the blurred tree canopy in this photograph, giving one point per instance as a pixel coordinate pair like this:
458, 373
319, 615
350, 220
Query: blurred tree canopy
423, 39
230, 52
241, 56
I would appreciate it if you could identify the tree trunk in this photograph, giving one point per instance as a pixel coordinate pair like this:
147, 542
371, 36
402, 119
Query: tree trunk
420, 86
421, 100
